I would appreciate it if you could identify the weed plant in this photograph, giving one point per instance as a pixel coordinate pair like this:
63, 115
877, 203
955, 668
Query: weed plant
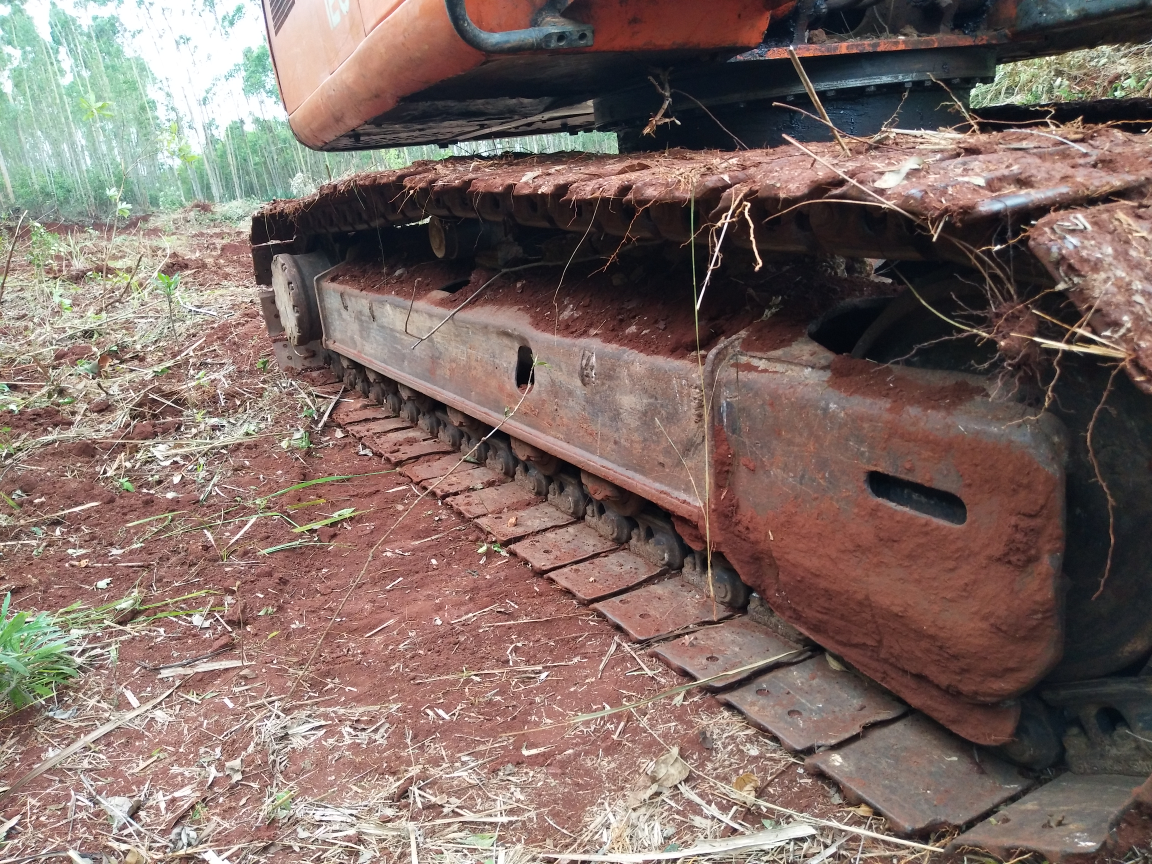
35, 656
1107, 72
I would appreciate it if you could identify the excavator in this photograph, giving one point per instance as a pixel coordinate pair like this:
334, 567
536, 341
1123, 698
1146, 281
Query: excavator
828, 388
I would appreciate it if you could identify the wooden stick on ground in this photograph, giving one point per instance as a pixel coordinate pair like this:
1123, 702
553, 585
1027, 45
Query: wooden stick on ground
11, 249
95, 734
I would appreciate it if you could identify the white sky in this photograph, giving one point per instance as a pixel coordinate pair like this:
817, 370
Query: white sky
186, 49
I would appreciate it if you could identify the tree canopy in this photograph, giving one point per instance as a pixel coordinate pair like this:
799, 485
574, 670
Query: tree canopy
88, 128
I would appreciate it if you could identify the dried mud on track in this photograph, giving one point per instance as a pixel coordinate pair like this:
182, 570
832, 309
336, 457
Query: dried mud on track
338, 718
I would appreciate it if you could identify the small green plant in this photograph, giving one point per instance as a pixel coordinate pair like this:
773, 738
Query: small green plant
262, 365
177, 146
168, 285
121, 207
278, 805
300, 440
95, 110
34, 656
42, 246
125, 485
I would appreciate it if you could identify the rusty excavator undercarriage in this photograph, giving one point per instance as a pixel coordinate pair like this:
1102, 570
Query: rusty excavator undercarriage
865, 410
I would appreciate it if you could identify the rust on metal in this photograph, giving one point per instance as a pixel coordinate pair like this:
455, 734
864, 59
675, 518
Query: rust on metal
468, 478
351, 411
828, 492
415, 450
919, 776
731, 645
1069, 817
602, 577
871, 46
561, 546
389, 442
512, 526
365, 428
810, 704
469, 365
496, 499
661, 610
1103, 257
434, 467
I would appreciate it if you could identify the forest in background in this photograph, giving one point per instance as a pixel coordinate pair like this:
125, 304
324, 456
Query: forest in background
89, 129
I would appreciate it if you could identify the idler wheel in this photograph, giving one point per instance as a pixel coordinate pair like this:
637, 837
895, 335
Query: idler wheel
293, 286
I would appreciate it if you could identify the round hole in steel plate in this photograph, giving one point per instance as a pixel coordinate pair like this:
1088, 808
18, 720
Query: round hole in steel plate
645, 615
712, 658
763, 691
793, 713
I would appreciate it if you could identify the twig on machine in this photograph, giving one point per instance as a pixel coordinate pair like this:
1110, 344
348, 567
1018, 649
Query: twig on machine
658, 118
967, 114
1103, 485
477, 293
807, 82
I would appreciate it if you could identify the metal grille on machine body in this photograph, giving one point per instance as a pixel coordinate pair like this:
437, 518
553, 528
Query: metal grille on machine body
279, 9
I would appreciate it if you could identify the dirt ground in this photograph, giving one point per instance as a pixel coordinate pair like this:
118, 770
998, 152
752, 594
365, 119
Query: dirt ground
414, 703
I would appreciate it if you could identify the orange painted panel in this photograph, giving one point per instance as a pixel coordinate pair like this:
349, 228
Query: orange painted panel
410, 45
375, 11
315, 39
651, 25
488, 14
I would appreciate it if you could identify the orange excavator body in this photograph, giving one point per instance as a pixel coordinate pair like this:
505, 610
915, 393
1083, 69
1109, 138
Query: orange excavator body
363, 56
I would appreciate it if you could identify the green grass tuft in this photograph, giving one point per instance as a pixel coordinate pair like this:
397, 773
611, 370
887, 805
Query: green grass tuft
34, 656
1107, 72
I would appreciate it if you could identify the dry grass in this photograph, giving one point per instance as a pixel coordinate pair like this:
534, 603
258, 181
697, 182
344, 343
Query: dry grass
445, 808
146, 354
1107, 72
